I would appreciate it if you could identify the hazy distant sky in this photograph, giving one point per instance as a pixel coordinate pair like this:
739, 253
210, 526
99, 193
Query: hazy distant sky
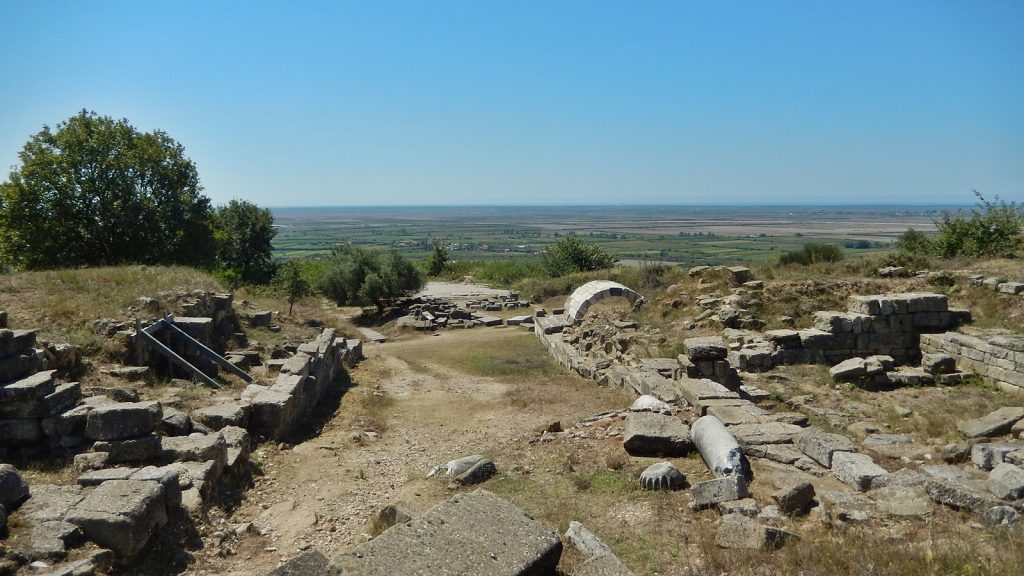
487, 102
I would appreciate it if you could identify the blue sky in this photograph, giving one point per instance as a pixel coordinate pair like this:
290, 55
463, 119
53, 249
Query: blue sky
480, 102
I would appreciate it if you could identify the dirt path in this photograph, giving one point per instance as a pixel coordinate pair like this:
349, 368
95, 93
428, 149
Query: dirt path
406, 412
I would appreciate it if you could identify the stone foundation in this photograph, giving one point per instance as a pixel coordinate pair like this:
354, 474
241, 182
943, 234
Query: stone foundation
999, 358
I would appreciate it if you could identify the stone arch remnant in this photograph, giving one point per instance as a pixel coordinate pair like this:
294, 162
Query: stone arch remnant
592, 292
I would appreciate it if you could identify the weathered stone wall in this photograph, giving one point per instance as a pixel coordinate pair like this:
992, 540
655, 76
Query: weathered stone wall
275, 410
999, 358
141, 461
30, 398
884, 324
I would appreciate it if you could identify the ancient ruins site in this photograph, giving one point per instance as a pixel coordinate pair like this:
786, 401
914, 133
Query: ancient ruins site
470, 431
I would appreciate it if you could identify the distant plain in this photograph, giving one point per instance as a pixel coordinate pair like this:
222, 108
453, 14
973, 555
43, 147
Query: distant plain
684, 235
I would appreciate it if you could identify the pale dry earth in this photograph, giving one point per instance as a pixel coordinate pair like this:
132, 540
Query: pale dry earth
323, 493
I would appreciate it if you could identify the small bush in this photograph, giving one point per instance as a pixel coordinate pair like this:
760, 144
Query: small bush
574, 254
812, 254
356, 276
992, 229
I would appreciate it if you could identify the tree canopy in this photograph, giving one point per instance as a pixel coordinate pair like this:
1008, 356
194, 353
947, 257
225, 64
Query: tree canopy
96, 191
360, 277
244, 232
574, 254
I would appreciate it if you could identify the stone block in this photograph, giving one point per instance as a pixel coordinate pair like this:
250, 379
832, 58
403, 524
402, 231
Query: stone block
821, 445
197, 447
220, 415
50, 502
650, 433
271, 413
122, 420
121, 515
841, 508
30, 388
781, 453
97, 477
857, 470
63, 398
606, 565
765, 433
987, 456
18, 365
477, 473
849, 370
175, 422
198, 475
13, 489
736, 531
959, 495
795, 499
712, 492
14, 341
814, 339
261, 319
308, 563
167, 476
753, 358
1010, 288
870, 305
705, 348
299, 365
238, 446
695, 392
993, 424
18, 432
739, 274
1006, 481
51, 539
901, 501
132, 450
477, 533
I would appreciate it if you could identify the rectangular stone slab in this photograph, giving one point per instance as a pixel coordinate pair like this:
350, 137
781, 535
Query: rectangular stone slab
121, 514
992, 424
695, 391
477, 533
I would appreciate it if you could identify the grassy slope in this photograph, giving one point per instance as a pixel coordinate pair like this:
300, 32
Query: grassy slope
61, 304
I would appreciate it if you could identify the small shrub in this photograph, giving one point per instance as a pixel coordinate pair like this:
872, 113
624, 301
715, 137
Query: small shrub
992, 229
615, 461
574, 254
812, 254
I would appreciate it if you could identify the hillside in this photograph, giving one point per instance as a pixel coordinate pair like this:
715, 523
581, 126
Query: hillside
425, 397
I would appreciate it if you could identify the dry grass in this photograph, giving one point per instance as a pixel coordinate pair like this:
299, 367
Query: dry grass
62, 303
372, 414
512, 356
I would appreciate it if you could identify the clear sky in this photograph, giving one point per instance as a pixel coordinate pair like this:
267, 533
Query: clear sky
551, 102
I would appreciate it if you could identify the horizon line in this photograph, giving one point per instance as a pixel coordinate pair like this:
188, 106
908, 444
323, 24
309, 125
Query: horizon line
639, 205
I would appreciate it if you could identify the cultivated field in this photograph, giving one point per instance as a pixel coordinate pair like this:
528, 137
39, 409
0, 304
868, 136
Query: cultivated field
686, 235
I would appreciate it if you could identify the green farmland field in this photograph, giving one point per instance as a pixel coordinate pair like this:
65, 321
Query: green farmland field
685, 235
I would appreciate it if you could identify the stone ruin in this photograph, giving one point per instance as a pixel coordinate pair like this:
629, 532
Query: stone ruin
439, 313
870, 344
140, 464
31, 398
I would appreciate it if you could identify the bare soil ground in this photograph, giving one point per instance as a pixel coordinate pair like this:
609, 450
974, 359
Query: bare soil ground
407, 410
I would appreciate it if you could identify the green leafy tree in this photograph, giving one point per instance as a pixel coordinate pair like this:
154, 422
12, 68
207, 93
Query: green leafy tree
574, 254
96, 191
991, 229
356, 276
244, 235
290, 281
438, 259
915, 242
